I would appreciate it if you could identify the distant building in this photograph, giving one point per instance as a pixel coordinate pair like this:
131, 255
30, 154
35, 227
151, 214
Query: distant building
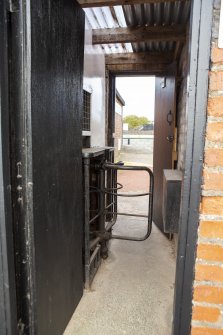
119, 104
125, 126
146, 127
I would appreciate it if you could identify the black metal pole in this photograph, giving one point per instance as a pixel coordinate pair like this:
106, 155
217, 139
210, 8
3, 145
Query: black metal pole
104, 249
86, 222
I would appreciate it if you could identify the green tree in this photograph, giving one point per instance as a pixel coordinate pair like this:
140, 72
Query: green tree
143, 120
135, 121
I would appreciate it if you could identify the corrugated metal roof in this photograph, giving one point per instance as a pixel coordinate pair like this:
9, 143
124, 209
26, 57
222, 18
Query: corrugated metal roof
158, 14
108, 17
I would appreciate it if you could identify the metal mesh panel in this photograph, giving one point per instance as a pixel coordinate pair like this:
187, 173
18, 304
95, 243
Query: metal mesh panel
86, 126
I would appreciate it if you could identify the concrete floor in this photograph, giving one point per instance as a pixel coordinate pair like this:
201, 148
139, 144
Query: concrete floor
132, 292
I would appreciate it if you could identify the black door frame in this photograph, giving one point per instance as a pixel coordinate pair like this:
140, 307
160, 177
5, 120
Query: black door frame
8, 316
198, 73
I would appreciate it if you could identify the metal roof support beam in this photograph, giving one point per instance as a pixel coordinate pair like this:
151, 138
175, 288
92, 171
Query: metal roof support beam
101, 3
139, 58
139, 34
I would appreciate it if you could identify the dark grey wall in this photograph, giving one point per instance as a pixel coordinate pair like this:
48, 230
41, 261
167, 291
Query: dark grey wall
199, 58
5, 308
7, 287
181, 107
181, 100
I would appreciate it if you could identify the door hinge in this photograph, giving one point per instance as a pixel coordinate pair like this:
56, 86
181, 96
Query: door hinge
19, 182
13, 6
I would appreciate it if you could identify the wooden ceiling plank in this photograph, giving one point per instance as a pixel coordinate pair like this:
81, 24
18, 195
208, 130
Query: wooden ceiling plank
101, 3
139, 58
139, 34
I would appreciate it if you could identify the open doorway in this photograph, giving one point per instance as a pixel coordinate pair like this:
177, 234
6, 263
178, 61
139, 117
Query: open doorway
138, 94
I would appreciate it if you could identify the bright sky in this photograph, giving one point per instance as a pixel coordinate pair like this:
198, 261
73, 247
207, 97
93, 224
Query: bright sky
139, 95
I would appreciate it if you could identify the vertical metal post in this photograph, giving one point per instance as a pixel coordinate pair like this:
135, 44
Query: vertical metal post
111, 109
104, 249
115, 199
86, 222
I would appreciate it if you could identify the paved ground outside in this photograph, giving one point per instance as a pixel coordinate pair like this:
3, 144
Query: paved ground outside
139, 152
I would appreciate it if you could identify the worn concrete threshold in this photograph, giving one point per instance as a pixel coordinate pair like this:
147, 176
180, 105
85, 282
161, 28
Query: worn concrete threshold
132, 292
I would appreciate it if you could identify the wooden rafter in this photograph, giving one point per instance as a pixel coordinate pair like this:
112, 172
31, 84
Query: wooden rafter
178, 50
101, 3
139, 34
149, 69
139, 58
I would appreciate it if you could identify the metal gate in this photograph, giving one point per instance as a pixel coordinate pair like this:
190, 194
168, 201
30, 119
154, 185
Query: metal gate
118, 186
100, 179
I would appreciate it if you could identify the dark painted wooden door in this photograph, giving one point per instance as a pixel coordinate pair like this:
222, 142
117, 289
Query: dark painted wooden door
46, 110
163, 140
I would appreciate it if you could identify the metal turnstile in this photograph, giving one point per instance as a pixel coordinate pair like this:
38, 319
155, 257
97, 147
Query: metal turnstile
100, 205
95, 179
116, 167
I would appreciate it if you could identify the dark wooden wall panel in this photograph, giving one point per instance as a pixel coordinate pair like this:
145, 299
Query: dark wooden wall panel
57, 40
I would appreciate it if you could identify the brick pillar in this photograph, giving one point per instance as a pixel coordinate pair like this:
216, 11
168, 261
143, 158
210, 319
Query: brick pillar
207, 317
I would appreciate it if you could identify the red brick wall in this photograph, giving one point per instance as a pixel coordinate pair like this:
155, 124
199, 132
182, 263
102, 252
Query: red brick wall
207, 317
